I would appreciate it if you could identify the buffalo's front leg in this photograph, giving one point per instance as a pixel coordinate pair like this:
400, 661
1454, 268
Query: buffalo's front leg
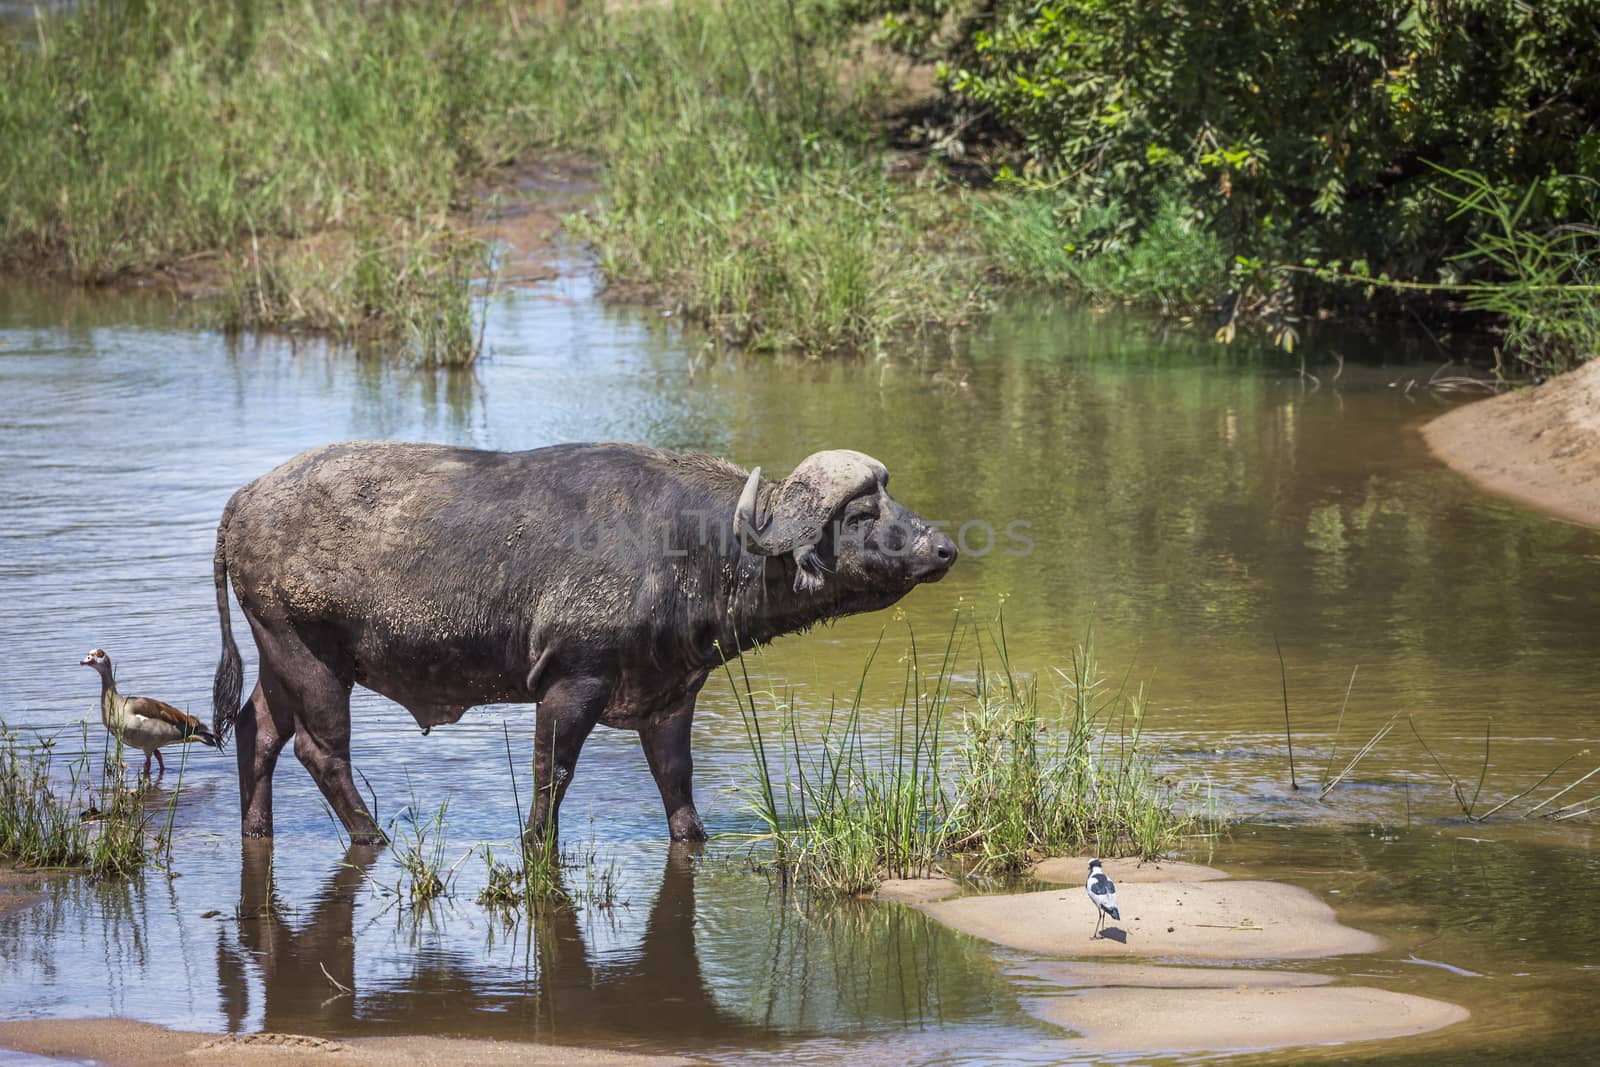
567, 714
665, 738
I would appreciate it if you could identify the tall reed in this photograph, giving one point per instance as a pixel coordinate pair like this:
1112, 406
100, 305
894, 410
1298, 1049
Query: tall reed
984, 775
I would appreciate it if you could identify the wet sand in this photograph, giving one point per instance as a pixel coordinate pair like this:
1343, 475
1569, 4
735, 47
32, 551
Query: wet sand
1539, 446
917, 890
1242, 1017
121, 1043
1192, 915
1223, 920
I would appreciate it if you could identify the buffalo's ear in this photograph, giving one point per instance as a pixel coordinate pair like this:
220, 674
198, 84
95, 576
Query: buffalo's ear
808, 569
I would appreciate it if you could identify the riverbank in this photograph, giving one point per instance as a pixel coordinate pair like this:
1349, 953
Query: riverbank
123, 1043
325, 173
1539, 446
1179, 916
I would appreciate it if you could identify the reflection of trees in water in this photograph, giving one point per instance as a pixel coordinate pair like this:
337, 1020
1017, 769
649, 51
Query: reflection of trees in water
1172, 483
731, 971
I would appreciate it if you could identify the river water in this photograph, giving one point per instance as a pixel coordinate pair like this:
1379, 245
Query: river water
1198, 506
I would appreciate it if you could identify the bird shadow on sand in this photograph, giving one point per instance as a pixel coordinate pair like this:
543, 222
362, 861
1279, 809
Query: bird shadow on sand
1114, 933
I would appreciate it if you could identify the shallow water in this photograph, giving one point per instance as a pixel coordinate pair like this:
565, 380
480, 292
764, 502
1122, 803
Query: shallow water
1194, 503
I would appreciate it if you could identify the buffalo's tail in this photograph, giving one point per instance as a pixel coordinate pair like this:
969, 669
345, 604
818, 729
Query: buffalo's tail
228, 685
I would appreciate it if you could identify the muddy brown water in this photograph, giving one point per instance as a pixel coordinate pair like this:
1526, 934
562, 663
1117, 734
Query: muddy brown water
1192, 502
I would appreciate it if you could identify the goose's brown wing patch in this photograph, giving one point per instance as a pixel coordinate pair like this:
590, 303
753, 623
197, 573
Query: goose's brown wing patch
156, 709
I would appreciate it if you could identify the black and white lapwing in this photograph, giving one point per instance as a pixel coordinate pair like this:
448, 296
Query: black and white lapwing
1104, 895
140, 722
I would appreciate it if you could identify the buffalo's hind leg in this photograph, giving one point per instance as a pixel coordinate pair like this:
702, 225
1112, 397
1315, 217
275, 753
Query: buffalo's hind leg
665, 739
319, 695
264, 727
322, 743
566, 716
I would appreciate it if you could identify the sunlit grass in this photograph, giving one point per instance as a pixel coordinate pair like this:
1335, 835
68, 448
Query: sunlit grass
54, 814
331, 154
981, 773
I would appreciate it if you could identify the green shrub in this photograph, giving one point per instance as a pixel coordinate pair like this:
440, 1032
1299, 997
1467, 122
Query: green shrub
1297, 131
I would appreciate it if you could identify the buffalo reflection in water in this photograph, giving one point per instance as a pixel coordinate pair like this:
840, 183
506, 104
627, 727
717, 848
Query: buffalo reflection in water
304, 966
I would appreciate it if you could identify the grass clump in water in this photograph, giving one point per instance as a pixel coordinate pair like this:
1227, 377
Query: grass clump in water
540, 881
1034, 783
420, 844
844, 811
57, 818
533, 884
987, 778
420, 853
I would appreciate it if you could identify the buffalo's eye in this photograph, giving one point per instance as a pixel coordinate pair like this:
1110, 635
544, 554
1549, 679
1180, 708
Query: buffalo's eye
858, 514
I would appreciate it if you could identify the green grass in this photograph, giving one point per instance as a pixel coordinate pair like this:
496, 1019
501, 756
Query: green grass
1544, 279
540, 879
544, 878
317, 165
746, 182
138, 135
409, 285
1064, 775
331, 153
1171, 260
55, 815
841, 812
419, 843
987, 777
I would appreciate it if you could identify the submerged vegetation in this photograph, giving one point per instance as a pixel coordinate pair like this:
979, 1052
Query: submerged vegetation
56, 815
988, 778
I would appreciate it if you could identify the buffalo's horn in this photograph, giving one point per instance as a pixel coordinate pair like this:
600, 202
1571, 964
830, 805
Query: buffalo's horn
746, 523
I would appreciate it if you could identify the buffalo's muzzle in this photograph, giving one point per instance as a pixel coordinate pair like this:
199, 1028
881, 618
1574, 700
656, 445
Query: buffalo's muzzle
936, 556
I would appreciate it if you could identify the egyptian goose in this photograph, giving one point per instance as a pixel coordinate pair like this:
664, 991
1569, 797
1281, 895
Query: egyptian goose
140, 722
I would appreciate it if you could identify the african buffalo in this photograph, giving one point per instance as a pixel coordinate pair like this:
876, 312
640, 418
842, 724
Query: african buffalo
602, 582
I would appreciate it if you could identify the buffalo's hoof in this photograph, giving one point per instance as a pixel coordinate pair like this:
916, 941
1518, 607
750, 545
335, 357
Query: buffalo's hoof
686, 827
